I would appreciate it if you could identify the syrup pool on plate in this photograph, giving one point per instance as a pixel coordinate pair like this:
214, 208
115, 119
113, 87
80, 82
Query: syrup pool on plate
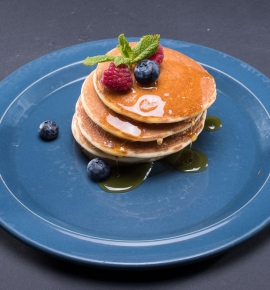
212, 123
125, 178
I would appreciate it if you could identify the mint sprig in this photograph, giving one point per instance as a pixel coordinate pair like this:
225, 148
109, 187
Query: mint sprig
147, 46
124, 47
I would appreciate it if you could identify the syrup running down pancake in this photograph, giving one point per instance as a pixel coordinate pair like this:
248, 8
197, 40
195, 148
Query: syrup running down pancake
116, 146
91, 151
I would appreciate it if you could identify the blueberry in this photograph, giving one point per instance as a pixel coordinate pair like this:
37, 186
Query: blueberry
146, 72
48, 130
98, 169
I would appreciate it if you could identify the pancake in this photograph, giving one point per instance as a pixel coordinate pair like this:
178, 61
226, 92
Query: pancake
116, 146
184, 90
122, 126
92, 152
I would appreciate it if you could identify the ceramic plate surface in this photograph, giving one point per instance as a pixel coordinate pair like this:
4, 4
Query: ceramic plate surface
48, 201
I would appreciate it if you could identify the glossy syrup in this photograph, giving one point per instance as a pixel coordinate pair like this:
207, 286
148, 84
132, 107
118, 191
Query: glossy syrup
212, 123
188, 161
125, 178
171, 99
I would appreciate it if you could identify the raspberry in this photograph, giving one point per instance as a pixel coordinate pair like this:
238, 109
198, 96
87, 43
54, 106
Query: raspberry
158, 56
117, 78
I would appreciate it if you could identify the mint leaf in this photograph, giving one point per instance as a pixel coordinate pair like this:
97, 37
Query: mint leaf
97, 59
122, 60
147, 46
151, 49
124, 46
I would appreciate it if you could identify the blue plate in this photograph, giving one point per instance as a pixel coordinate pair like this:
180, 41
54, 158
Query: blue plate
48, 201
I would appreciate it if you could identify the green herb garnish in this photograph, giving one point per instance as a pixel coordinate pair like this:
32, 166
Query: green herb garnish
147, 46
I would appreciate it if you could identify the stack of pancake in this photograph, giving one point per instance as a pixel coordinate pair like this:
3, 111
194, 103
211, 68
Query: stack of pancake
145, 123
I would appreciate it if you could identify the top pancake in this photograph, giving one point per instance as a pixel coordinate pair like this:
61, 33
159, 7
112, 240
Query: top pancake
122, 126
184, 89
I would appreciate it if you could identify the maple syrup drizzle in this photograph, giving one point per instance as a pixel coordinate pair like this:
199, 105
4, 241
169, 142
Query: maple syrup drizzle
125, 178
212, 123
129, 178
188, 161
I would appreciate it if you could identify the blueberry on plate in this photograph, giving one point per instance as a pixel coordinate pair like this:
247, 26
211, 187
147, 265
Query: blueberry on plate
146, 72
48, 130
98, 169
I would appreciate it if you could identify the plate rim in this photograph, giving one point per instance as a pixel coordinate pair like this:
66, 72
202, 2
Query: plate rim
264, 220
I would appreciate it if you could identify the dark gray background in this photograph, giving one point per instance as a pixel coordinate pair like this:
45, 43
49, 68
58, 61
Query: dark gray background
30, 29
